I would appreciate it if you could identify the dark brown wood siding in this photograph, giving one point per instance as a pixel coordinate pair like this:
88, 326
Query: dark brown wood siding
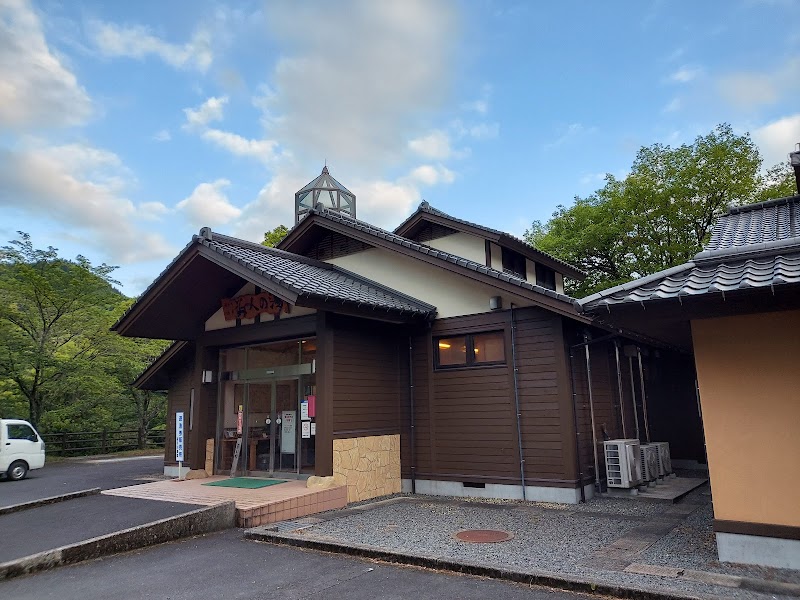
335, 245
466, 427
180, 389
370, 377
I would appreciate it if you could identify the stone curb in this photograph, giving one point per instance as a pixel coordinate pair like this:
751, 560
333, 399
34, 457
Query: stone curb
203, 520
540, 578
4, 510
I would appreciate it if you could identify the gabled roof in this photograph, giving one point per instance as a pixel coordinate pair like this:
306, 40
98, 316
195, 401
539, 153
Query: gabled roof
380, 237
426, 212
751, 247
155, 376
309, 278
227, 262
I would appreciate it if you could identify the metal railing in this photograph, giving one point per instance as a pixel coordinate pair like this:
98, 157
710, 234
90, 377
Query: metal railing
107, 441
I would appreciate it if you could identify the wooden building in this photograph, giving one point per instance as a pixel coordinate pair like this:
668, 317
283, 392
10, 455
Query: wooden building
441, 358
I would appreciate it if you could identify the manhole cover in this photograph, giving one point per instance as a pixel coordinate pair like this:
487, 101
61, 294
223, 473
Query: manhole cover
483, 536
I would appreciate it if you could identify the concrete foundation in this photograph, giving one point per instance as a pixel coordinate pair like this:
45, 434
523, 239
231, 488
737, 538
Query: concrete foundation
533, 493
758, 550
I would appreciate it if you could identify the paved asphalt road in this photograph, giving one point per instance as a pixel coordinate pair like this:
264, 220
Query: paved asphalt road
46, 527
223, 565
71, 476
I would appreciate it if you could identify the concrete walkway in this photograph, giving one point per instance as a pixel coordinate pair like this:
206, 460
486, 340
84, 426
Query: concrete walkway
288, 500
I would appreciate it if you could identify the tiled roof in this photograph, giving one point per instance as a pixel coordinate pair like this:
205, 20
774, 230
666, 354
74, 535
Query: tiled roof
312, 278
440, 254
754, 246
426, 207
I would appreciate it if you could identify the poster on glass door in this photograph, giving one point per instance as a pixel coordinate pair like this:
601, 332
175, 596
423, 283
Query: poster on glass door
288, 431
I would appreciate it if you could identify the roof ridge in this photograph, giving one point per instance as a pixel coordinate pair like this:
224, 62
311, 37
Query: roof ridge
735, 210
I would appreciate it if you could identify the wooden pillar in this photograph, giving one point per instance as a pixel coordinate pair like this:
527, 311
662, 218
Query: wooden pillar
323, 444
203, 411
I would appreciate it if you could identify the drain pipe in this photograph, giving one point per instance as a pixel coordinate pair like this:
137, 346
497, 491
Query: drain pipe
516, 402
575, 419
633, 395
619, 387
591, 413
411, 416
644, 396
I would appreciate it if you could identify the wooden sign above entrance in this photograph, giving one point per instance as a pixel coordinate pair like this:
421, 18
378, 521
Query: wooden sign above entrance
248, 306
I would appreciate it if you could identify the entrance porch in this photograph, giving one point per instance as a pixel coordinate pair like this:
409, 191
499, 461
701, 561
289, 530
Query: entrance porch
287, 500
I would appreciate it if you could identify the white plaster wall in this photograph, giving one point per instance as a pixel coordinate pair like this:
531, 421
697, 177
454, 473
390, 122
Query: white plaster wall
559, 283
453, 295
217, 320
462, 244
497, 257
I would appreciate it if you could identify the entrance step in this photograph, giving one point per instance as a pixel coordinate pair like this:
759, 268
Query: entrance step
288, 500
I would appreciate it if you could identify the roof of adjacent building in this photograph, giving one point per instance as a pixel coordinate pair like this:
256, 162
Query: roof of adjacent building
565, 267
398, 240
753, 246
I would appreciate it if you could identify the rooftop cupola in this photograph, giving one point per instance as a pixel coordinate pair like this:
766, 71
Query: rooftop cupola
326, 190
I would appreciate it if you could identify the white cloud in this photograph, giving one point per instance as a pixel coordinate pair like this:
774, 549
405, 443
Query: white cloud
478, 131
82, 187
434, 145
162, 136
209, 111
480, 105
673, 105
263, 150
572, 131
749, 89
777, 139
272, 207
208, 205
685, 74
354, 97
136, 41
385, 203
36, 89
151, 211
432, 175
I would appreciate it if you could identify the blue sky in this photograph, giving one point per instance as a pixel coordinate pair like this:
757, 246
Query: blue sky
126, 126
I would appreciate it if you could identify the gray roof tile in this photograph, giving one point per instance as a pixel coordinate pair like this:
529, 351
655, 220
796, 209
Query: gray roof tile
753, 246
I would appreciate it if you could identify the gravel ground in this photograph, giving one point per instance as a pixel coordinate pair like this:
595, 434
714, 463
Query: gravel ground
550, 537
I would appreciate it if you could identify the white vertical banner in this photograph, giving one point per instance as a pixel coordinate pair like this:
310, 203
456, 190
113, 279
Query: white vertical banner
288, 431
179, 440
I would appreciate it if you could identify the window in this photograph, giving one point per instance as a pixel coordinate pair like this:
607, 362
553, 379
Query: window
545, 277
471, 350
514, 263
21, 432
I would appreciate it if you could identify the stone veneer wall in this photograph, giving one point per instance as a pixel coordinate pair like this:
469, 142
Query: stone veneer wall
368, 466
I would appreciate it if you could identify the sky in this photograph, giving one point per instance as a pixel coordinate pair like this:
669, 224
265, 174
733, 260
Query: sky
127, 126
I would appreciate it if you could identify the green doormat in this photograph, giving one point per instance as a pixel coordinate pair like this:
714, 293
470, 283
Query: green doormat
245, 482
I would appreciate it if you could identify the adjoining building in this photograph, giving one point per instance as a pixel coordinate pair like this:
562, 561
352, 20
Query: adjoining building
441, 358
736, 306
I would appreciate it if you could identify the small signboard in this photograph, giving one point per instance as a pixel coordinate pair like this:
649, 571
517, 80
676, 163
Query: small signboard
313, 429
239, 421
288, 431
304, 411
179, 437
306, 429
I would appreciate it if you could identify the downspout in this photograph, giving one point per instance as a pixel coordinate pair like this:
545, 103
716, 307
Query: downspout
411, 417
516, 403
591, 413
575, 419
633, 395
644, 396
619, 387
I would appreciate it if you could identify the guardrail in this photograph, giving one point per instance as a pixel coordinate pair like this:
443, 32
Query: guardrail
82, 443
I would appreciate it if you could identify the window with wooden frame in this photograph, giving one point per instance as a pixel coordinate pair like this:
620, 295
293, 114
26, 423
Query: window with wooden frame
470, 350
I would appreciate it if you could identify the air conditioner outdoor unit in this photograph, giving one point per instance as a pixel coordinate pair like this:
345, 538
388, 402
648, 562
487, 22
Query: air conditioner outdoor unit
623, 463
649, 457
664, 460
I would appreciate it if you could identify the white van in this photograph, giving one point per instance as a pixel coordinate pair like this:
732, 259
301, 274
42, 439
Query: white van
21, 449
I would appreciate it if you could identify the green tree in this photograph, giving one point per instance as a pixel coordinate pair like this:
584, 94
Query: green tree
274, 237
54, 315
662, 213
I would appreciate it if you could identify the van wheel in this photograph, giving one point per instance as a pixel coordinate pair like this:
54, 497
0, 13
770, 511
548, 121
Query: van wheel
17, 470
